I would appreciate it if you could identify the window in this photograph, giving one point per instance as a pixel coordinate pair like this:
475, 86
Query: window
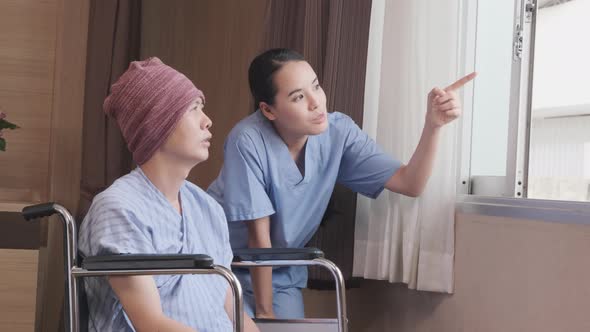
529, 132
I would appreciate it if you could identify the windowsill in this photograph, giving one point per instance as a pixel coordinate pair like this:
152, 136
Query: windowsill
532, 209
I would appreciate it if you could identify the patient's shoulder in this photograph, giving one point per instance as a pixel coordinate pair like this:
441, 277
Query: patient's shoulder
200, 196
128, 195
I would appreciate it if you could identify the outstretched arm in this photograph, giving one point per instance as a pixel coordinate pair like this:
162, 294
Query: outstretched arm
444, 106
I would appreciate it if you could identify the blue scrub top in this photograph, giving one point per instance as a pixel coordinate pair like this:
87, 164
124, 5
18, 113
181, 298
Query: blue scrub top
259, 178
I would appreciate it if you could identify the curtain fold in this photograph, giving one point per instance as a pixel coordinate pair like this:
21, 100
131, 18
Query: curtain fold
415, 46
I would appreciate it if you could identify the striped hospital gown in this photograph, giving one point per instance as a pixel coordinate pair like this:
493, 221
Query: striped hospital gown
133, 216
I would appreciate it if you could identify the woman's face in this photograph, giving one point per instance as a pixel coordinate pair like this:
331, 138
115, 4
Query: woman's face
299, 107
190, 139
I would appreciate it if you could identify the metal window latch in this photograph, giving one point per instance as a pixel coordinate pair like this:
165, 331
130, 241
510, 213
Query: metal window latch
529, 9
518, 42
527, 17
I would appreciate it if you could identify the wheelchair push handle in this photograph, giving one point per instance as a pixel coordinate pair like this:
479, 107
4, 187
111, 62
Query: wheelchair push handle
39, 211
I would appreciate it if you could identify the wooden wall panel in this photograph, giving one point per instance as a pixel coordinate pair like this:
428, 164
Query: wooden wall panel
27, 58
42, 67
65, 151
212, 42
18, 282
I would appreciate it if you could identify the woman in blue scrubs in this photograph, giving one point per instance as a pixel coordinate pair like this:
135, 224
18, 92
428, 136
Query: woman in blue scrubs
281, 164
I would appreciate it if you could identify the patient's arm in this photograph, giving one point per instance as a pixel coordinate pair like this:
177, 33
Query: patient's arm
259, 237
141, 301
249, 325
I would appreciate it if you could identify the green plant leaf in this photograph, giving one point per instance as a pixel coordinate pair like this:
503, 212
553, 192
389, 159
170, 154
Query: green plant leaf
7, 125
2, 144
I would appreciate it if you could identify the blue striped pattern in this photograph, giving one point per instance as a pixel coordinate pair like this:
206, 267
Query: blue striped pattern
133, 216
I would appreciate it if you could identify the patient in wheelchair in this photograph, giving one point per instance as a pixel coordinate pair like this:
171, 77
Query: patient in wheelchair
154, 209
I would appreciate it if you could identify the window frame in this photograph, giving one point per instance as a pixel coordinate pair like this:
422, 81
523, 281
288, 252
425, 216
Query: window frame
514, 206
514, 183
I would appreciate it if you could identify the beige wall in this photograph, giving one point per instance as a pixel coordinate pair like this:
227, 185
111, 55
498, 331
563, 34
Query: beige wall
510, 275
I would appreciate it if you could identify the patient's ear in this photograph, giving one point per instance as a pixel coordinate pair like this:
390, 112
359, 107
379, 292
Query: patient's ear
267, 111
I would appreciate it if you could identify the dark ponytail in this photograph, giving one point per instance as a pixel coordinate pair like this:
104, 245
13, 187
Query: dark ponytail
262, 70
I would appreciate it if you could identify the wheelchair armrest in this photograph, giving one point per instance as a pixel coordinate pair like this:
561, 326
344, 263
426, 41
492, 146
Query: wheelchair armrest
276, 254
38, 211
147, 262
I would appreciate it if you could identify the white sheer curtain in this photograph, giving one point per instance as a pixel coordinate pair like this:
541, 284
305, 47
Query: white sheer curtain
413, 47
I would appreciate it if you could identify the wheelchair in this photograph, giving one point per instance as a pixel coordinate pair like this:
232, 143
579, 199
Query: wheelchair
297, 257
77, 267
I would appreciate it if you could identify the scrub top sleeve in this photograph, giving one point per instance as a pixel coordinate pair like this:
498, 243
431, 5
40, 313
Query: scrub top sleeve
364, 168
116, 230
244, 195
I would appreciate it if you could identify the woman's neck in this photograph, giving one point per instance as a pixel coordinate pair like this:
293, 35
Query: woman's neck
295, 143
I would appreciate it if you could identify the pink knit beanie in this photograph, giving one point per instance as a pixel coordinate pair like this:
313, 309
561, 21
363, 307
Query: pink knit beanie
147, 102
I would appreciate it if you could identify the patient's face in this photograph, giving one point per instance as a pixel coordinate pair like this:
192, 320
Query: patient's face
189, 142
300, 103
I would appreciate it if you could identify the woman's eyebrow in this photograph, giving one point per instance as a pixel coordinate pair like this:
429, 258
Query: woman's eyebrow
298, 90
294, 91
